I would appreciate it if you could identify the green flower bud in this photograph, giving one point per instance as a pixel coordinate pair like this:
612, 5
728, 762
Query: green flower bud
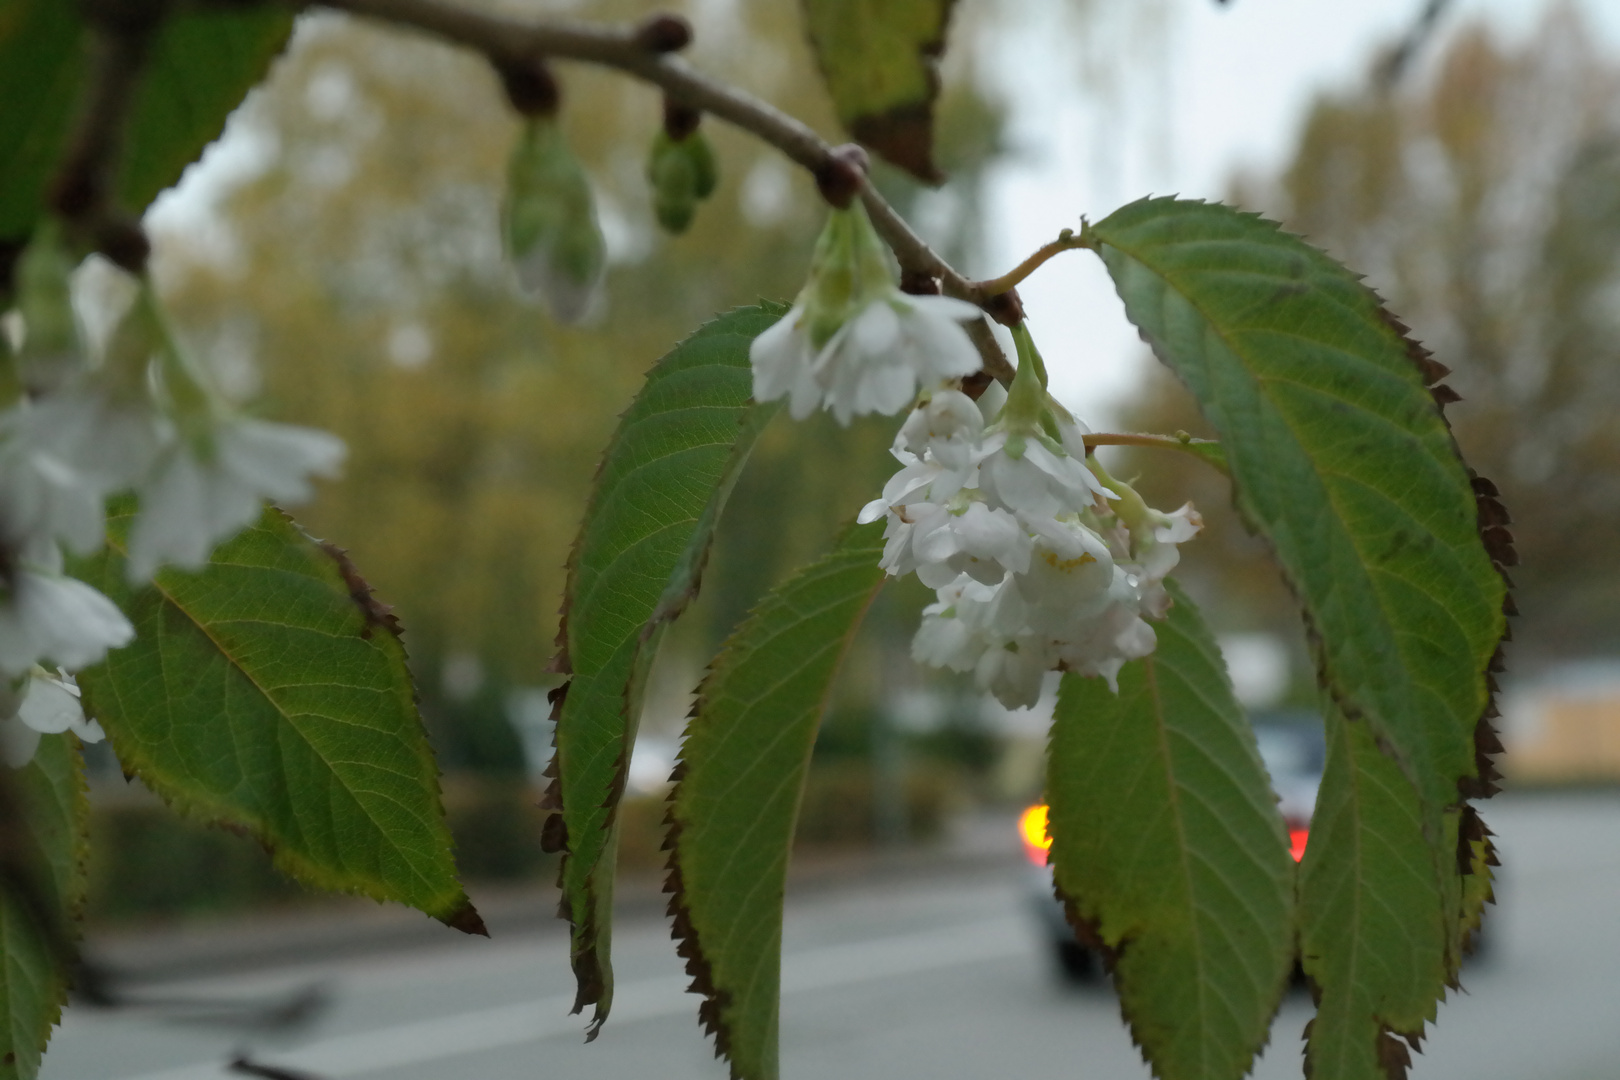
674, 178
681, 172
703, 163
51, 351
551, 230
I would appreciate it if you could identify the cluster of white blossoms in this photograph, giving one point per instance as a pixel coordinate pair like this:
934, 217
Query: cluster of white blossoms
853, 343
1039, 560
76, 429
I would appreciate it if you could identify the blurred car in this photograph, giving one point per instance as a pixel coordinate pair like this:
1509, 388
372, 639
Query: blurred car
1293, 749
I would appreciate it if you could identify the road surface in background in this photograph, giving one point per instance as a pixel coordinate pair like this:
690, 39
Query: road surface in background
939, 976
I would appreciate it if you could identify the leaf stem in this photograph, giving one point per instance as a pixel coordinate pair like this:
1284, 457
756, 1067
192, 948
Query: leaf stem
1207, 450
1067, 240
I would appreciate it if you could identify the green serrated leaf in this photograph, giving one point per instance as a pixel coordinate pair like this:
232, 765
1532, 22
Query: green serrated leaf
1341, 458
742, 772
641, 549
41, 897
1373, 934
271, 692
1168, 846
199, 68
41, 65
881, 62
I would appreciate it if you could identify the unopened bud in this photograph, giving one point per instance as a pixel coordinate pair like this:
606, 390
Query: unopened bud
551, 230
840, 177
682, 172
664, 33
50, 352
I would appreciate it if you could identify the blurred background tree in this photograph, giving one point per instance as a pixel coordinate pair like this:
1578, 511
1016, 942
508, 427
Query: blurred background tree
1482, 199
351, 278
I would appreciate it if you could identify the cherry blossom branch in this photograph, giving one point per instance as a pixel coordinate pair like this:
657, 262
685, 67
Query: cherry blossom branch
642, 51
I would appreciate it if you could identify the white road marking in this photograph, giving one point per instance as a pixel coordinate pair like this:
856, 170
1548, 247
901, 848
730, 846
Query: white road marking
832, 966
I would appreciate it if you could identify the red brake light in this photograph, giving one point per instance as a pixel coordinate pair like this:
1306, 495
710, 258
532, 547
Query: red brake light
1296, 842
1032, 829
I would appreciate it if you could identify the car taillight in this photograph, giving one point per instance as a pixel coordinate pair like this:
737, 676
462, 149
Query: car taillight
1296, 842
1032, 829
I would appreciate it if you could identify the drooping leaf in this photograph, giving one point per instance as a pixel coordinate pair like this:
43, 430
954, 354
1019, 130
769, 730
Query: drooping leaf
1168, 848
636, 564
1341, 458
881, 62
199, 67
270, 691
1373, 935
736, 799
41, 65
42, 889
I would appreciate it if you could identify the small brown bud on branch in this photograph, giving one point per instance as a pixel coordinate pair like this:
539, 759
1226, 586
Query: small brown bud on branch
680, 120
919, 283
530, 86
840, 177
664, 33
1005, 307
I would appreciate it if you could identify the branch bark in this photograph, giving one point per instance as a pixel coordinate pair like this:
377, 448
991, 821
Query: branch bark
507, 40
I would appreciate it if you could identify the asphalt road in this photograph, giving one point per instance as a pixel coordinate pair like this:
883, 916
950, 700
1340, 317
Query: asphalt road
941, 976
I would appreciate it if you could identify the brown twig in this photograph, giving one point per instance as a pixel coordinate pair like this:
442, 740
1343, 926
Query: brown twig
507, 40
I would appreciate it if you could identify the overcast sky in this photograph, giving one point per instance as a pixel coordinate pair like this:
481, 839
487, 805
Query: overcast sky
1238, 79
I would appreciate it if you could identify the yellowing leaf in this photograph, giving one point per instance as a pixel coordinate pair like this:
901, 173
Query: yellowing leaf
880, 59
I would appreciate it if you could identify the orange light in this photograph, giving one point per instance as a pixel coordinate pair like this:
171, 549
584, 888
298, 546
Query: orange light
1032, 828
1296, 842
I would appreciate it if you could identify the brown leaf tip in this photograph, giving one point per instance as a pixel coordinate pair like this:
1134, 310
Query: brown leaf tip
905, 137
377, 613
466, 919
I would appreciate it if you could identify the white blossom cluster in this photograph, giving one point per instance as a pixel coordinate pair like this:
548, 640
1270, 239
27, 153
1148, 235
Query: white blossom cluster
1033, 561
76, 429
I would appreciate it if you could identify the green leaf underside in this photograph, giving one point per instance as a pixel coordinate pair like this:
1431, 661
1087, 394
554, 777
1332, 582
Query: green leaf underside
48, 847
1167, 844
199, 68
744, 761
41, 63
1373, 939
663, 481
1339, 457
880, 61
264, 693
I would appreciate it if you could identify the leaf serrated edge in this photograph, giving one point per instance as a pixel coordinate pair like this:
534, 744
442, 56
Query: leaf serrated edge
1088, 932
590, 978
464, 916
1492, 520
717, 1000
